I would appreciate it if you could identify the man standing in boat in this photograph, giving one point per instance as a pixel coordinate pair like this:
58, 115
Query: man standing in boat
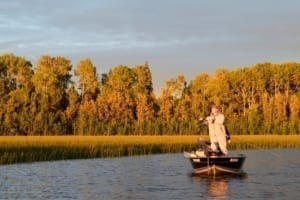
217, 130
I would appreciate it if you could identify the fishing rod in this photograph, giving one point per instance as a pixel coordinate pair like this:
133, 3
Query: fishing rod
266, 150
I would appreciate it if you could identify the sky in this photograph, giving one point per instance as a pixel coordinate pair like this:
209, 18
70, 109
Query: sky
176, 37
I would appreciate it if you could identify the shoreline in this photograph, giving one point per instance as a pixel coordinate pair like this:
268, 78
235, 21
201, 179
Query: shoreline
25, 149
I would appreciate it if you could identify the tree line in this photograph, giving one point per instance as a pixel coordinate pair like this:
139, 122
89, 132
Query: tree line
43, 100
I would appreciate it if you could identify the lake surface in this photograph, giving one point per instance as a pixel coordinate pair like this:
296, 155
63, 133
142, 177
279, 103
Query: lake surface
271, 174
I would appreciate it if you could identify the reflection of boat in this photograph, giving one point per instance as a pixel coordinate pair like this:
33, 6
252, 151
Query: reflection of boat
214, 187
217, 188
205, 161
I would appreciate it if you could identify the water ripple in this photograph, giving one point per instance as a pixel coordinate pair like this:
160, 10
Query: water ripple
151, 177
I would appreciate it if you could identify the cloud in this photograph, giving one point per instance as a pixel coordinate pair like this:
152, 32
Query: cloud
186, 36
107, 22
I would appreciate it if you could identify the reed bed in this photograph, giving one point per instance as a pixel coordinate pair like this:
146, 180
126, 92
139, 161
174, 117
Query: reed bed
18, 149
264, 141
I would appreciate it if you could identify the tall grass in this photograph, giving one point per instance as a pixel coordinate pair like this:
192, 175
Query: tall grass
264, 141
17, 149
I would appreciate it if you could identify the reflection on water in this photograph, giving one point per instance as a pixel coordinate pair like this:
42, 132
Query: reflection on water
216, 186
152, 177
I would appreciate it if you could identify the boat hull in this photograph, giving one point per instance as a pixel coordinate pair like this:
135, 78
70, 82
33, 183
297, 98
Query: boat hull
218, 164
214, 170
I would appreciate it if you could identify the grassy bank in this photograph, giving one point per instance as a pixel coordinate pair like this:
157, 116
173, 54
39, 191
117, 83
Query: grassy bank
18, 149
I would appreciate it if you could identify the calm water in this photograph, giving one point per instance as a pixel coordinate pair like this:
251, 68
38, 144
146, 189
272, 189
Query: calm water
272, 174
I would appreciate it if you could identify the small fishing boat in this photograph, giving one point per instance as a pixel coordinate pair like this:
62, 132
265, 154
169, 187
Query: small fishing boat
205, 161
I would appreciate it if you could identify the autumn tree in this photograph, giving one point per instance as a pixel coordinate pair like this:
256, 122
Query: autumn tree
90, 88
51, 80
170, 96
143, 92
263, 98
118, 95
294, 126
199, 98
218, 88
87, 118
88, 80
15, 91
71, 111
